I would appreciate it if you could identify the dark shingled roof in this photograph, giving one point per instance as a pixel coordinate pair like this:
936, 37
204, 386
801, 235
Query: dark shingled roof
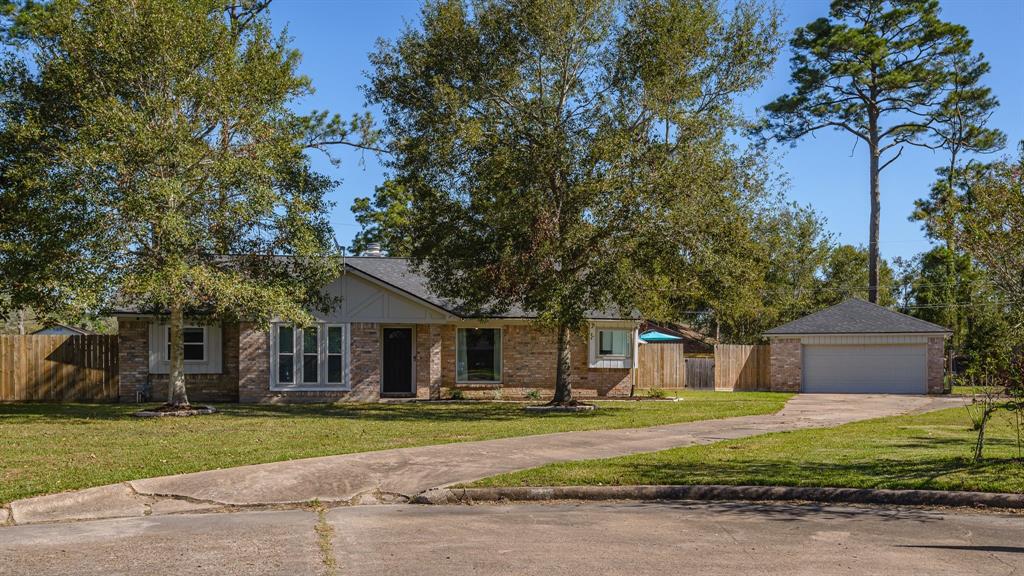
856, 316
398, 273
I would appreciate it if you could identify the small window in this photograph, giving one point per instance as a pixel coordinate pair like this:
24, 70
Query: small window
310, 355
612, 342
478, 355
334, 355
285, 354
194, 338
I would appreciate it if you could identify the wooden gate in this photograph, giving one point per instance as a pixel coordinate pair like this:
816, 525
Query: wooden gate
742, 367
700, 373
661, 366
54, 368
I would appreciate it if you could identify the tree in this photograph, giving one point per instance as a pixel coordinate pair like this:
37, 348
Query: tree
384, 220
892, 74
557, 154
150, 152
845, 276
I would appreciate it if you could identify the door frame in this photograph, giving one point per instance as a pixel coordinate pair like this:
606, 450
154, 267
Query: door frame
412, 361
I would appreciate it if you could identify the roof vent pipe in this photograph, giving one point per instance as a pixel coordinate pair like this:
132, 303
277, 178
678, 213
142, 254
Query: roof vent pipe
373, 250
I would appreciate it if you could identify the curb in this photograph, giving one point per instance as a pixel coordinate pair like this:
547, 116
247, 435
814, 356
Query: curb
718, 492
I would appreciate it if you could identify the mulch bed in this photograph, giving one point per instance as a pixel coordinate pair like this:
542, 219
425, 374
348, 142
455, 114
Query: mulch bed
166, 410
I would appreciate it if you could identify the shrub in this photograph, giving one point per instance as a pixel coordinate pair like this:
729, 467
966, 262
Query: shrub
457, 394
657, 393
533, 394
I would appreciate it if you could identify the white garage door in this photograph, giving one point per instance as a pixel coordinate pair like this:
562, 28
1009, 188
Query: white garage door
865, 369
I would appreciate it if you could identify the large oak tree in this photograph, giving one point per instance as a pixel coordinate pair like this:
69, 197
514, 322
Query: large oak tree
571, 156
151, 157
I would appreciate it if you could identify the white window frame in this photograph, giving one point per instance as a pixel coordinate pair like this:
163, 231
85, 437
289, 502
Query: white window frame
298, 354
343, 354
206, 344
624, 355
501, 356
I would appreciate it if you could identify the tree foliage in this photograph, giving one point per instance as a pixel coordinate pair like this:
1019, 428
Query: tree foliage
565, 157
384, 220
142, 142
890, 73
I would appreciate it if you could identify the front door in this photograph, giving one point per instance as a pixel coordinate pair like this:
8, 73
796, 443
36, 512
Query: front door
396, 373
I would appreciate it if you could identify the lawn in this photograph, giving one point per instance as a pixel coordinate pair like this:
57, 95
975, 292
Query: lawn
927, 451
48, 448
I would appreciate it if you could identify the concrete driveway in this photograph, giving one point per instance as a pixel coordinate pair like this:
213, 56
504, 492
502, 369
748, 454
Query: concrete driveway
566, 539
396, 475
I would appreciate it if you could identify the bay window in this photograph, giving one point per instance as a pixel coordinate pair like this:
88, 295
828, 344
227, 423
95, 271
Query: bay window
614, 343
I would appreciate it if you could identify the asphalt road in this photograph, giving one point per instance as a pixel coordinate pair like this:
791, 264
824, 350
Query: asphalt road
523, 539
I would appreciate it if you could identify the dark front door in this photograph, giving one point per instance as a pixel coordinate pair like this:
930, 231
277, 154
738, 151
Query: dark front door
397, 369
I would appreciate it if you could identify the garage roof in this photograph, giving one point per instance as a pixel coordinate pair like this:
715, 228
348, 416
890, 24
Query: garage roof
856, 316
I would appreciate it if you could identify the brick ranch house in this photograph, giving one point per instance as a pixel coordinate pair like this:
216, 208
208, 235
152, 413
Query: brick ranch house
389, 337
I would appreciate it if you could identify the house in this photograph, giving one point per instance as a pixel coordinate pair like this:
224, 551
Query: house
61, 330
389, 337
858, 347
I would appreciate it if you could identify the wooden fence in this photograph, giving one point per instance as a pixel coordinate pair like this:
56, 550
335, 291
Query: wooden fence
661, 366
742, 367
55, 368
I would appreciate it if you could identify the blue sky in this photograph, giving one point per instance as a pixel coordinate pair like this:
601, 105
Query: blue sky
825, 171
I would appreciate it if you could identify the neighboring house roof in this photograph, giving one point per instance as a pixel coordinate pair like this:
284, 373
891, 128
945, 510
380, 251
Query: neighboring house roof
656, 336
61, 330
856, 316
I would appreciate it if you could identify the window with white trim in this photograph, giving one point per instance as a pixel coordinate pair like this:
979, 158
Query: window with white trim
478, 355
194, 343
314, 357
613, 343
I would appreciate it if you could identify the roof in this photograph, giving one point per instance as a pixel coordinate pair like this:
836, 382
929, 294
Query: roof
856, 316
399, 274
62, 329
655, 336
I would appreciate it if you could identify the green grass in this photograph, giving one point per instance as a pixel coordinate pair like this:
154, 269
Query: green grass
927, 451
48, 448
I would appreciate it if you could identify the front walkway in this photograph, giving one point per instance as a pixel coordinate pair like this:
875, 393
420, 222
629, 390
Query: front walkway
396, 475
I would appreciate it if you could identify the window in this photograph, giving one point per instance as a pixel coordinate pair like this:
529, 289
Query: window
310, 355
478, 355
613, 343
285, 354
194, 338
311, 358
334, 355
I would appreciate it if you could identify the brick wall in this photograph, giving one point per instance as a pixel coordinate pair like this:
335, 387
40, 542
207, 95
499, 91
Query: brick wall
132, 357
133, 365
529, 362
428, 361
936, 364
786, 365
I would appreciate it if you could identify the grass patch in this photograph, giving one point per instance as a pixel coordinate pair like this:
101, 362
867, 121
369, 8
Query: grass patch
47, 448
927, 451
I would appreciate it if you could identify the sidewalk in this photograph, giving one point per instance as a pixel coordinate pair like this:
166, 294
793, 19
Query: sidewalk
398, 475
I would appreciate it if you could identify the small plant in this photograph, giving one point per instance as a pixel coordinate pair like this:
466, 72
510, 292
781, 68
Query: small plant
657, 393
498, 395
457, 394
533, 394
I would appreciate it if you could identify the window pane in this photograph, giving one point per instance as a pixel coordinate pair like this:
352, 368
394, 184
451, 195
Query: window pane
605, 339
309, 340
310, 368
334, 369
479, 355
193, 351
285, 368
192, 335
334, 340
285, 339
613, 342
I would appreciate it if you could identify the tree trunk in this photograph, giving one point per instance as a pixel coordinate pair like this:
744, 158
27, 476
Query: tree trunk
176, 395
873, 231
563, 388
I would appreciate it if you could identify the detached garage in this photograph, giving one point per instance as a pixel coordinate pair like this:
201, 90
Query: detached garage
858, 348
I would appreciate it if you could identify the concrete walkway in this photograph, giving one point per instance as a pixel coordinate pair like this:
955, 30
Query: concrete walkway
396, 475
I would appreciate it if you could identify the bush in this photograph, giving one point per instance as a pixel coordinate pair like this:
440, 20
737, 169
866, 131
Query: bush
457, 394
533, 394
657, 393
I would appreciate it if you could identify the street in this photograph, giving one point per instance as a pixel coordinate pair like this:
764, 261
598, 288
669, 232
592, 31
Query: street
563, 538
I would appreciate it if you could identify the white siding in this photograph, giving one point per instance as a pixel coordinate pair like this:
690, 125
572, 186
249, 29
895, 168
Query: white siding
364, 300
